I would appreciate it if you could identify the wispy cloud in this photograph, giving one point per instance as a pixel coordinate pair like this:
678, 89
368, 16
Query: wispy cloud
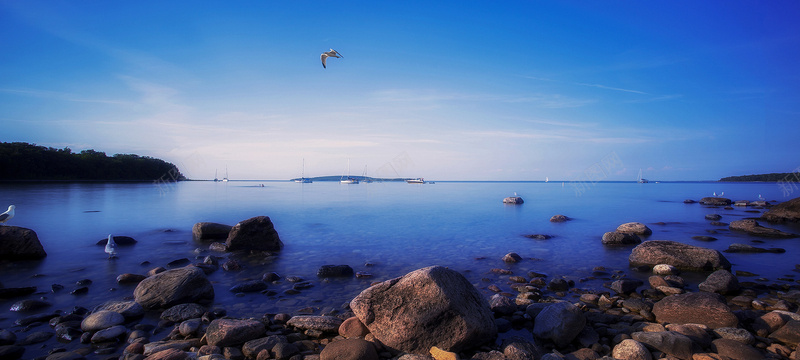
61, 96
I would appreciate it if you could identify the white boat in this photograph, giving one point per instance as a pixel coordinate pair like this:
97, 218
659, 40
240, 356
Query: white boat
225, 179
349, 179
641, 180
303, 179
546, 179
416, 181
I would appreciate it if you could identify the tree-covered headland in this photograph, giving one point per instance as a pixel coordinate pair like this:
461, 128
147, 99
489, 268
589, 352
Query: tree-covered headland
24, 161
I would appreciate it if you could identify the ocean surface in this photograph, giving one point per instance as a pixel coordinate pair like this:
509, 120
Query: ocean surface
384, 229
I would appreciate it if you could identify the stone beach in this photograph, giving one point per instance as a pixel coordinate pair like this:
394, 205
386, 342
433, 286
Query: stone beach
433, 312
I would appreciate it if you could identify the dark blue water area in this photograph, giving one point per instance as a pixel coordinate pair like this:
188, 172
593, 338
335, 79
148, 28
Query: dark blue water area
385, 229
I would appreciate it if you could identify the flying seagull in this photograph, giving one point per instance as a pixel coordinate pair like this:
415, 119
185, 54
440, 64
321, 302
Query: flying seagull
325, 55
111, 247
7, 215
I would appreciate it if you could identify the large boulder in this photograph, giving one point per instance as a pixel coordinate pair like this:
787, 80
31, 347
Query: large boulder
668, 342
752, 227
228, 332
172, 287
560, 322
783, 212
255, 233
679, 255
433, 306
17, 243
210, 231
695, 308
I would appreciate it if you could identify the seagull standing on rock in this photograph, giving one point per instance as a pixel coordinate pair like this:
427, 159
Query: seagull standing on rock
325, 55
7, 215
111, 247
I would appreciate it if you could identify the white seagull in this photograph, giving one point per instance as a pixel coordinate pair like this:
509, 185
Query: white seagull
111, 247
7, 215
325, 55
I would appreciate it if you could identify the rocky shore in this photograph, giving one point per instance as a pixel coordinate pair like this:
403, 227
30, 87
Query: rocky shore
435, 312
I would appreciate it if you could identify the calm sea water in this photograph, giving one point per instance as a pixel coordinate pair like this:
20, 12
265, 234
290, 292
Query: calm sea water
394, 227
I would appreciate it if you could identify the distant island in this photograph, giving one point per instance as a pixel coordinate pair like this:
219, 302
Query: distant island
24, 161
773, 177
359, 178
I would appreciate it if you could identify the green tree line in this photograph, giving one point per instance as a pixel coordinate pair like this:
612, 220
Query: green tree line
24, 161
773, 177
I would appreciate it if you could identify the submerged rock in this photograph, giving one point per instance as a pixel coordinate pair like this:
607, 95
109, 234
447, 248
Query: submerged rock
635, 228
744, 248
716, 201
752, 227
614, 238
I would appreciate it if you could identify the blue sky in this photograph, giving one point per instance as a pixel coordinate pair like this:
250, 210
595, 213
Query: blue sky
468, 90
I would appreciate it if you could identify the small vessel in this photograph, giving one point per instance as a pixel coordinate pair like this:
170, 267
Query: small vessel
225, 179
641, 180
349, 179
416, 181
216, 179
546, 179
303, 179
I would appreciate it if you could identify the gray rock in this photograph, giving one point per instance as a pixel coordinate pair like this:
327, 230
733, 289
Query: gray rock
7, 337
326, 271
512, 258
173, 287
721, 282
249, 286
128, 278
620, 238
513, 200
736, 350
128, 309
283, 351
559, 322
681, 256
695, 308
102, 319
190, 327
109, 334
635, 228
328, 324
183, 312
229, 332
11, 352
716, 201
257, 233
788, 211
630, 349
713, 217
502, 305
17, 243
788, 334
559, 218
744, 248
741, 335
520, 348
433, 306
349, 349
752, 227
668, 342
251, 348
210, 231
626, 286
119, 240
29, 305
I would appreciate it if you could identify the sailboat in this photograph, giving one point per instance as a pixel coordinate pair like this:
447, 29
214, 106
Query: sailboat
349, 179
546, 179
225, 179
216, 179
364, 177
303, 179
641, 180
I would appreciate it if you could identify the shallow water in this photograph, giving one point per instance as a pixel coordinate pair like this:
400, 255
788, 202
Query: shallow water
395, 227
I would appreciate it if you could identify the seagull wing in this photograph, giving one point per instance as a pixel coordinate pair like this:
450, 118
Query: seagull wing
4, 217
323, 57
336, 52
